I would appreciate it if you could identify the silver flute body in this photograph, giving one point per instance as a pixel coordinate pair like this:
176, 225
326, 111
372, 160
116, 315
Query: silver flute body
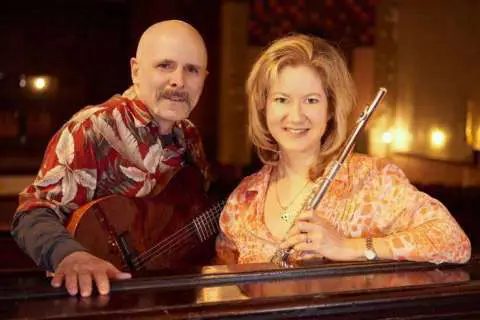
347, 148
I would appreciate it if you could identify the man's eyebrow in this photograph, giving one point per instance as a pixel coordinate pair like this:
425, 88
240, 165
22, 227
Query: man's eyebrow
194, 65
166, 61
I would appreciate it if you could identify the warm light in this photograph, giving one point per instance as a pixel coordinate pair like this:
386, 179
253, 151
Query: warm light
387, 137
23, 82
39, 83
438, 138
476, 144
472, 126
401, 139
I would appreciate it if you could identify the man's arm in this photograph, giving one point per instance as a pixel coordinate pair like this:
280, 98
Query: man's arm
41, 235
67, 179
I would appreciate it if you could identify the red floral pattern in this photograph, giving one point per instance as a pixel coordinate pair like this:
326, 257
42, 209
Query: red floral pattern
111, 148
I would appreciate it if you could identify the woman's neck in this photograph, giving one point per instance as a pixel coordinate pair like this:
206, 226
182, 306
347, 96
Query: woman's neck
294, 167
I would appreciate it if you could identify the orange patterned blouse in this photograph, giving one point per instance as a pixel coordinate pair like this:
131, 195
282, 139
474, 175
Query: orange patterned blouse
368, 197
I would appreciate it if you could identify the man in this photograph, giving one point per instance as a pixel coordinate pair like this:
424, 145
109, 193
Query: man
122, 146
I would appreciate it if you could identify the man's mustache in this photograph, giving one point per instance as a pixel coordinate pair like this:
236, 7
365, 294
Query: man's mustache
176, 94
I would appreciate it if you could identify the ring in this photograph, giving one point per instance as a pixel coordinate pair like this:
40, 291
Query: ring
307, 240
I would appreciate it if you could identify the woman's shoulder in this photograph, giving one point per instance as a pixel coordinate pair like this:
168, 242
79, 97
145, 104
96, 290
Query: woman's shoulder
370, 162
382, 166
253, 182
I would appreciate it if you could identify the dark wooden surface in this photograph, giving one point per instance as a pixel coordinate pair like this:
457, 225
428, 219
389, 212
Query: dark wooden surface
363, 290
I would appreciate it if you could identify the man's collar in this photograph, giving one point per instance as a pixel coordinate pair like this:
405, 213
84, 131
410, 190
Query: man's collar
142, 114
143, 117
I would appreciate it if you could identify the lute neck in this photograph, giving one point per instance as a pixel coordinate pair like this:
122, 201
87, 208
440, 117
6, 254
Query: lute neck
200, 229
207, 224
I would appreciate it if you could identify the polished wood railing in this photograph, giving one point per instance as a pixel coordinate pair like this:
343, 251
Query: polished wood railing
360, 290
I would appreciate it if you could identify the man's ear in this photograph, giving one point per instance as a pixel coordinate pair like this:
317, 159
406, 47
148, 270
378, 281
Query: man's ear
134, 70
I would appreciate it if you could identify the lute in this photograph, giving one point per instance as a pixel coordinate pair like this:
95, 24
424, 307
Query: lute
176, 227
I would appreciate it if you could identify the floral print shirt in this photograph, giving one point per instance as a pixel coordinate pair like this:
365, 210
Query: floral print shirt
111, 148
369, 197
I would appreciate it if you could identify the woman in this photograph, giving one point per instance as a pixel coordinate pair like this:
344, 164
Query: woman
300, 96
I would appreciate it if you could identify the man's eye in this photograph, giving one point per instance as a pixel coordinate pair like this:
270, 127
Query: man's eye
165, 65
192, 69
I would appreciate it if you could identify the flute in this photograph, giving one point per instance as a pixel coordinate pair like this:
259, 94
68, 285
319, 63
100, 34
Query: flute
280, 257
347, 148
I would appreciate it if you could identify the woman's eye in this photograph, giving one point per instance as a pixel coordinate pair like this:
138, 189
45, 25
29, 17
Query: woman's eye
280, 99
312, 100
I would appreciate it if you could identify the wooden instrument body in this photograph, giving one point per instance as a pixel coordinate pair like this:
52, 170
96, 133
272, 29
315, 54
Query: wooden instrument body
123, 230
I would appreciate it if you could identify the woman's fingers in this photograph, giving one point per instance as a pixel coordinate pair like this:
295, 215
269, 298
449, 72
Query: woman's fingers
303, 226
293, 240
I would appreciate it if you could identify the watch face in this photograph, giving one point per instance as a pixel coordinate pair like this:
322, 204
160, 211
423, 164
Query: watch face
370, 254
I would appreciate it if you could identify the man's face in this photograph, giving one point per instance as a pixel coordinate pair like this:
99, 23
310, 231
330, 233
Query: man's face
169, 75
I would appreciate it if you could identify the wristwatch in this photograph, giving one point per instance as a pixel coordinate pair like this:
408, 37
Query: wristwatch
370, 252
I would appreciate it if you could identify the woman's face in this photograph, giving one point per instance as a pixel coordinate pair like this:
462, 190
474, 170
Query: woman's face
297, 110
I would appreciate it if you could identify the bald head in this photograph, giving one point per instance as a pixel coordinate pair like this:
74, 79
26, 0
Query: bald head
169, 70
168, 30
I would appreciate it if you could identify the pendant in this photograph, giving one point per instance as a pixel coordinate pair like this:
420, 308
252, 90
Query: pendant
286, 216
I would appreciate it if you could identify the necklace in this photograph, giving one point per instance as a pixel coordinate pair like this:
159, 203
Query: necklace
289, 211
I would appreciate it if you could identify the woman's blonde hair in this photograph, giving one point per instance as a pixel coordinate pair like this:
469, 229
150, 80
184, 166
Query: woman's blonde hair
294, 50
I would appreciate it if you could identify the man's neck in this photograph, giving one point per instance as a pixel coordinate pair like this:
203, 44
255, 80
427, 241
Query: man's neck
165, 126
168, 139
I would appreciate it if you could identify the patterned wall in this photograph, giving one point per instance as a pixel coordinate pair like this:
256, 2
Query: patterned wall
351, 23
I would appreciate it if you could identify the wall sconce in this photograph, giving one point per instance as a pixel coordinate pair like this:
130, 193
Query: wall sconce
438, 138
387, 137
395, 140
401, 140
40, 84
37, 84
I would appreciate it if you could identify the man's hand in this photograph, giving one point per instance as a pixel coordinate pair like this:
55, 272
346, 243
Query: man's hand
78, 269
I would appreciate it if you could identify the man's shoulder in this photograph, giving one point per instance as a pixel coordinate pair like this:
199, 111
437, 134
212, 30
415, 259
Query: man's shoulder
108, 106
113, 107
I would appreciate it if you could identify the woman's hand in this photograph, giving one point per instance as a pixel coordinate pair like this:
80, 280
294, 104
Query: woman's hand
314, 237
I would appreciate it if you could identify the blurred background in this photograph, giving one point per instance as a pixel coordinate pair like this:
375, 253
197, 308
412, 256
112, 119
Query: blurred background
59, 56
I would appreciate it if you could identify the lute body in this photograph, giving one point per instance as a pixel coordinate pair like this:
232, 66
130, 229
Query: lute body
176, 227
